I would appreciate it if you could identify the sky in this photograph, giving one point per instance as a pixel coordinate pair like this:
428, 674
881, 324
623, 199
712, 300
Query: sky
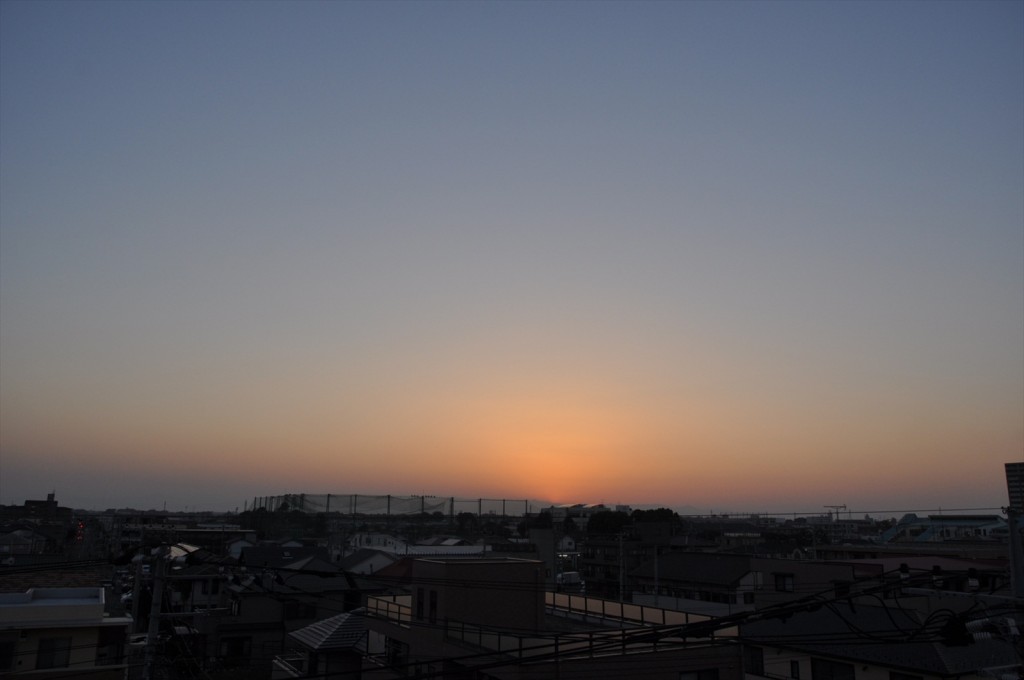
762, 256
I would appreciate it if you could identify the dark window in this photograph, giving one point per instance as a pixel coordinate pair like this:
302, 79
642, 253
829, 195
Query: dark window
396, 651
419, 604
753, 660
294, 609
7, 648
433, 606
54, 653
235, 651
705, 674
822, 669
748, 597
784, 583
794, 670
110, 646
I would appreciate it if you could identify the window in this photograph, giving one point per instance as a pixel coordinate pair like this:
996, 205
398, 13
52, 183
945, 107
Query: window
433, 606
705, 674
419, 604
7, 647
822, 669
396, 651
794, 670
293, 609
53, 653
235, 651
748, 597
110, 646
784, 583
753, 660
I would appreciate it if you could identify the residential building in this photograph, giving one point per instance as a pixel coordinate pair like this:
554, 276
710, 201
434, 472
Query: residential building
331, 649
720, 584
605, 562
947, 528
492, 619
269, 601
51, 632
866, 642
1015, 485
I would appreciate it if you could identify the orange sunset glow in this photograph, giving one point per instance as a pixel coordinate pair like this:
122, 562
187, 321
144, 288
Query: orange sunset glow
741, 257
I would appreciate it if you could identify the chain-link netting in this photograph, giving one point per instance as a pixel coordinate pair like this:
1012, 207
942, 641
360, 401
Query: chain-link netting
365, 504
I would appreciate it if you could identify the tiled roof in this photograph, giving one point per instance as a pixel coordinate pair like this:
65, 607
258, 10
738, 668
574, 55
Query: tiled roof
704, 568
396, 574
366, 554
344, 631
54, 576
274, 556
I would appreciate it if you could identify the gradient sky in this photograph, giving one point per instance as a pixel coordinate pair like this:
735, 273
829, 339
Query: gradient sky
734, 256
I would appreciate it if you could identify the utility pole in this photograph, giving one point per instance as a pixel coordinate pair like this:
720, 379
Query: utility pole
622, 571
1016, 553
153, 632
657, 585
136, 595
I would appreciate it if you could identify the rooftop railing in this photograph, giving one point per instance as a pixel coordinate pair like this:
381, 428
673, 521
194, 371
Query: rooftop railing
394, 608
291, 665
599, 610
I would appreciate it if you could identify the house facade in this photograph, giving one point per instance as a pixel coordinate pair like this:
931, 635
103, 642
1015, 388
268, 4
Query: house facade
51, 632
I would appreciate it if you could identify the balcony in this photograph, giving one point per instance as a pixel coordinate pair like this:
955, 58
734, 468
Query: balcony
636, 630
599, 610
396, 609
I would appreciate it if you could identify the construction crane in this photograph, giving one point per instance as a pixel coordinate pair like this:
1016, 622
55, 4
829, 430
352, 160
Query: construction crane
837, 508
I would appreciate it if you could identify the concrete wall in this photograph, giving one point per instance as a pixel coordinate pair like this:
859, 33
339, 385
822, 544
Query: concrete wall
489, 592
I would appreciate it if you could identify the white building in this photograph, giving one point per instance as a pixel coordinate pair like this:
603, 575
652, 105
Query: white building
49, 632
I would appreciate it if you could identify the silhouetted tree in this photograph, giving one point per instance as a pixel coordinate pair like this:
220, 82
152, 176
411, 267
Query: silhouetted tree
607, 522
466, 521
542, 521
656, 515
492, 528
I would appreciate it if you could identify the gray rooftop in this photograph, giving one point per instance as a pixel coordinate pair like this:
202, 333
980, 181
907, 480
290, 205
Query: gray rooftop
888, 636
341, 632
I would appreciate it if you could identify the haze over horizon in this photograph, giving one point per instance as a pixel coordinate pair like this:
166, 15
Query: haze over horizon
727, 255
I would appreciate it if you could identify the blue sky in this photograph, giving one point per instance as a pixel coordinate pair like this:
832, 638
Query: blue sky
284, 242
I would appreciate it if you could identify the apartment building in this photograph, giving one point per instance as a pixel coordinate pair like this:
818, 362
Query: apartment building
493, 618
54, 632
